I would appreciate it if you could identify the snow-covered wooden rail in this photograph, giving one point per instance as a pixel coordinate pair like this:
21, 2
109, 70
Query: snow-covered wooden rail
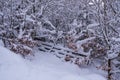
58, 50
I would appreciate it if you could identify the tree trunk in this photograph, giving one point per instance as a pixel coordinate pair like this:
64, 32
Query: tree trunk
109, 70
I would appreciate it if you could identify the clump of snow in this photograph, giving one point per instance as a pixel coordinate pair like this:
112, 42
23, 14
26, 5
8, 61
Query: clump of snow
116, 39
41, 67
1, 43
92, 25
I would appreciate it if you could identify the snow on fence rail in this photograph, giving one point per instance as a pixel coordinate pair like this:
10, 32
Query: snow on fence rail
64, 53
43, 46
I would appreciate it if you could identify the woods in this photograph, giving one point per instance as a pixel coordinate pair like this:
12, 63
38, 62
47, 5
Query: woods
89, 28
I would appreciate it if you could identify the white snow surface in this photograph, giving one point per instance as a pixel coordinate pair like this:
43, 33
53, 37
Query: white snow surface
41, 67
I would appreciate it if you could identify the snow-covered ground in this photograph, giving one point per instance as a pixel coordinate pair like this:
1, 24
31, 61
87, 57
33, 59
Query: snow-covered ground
42, 67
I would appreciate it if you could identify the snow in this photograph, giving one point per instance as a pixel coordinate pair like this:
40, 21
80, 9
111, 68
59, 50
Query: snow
21, 32
92, 25
47, 21
115, 39
1, 43
41, 67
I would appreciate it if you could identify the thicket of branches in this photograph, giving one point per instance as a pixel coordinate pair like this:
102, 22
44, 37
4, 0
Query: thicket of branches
88, 26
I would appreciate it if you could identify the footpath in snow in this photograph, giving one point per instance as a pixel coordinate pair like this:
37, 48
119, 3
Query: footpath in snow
41, 67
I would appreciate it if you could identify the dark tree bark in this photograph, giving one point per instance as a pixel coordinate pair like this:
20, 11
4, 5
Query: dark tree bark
109, 70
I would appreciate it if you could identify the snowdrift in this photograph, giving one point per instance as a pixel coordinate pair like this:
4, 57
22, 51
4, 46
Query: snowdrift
41, 67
